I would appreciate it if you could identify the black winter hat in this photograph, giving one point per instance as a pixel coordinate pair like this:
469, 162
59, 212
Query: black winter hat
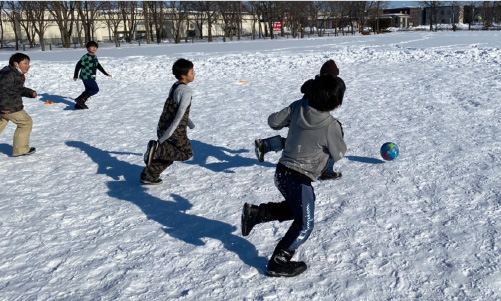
327, 93
330, 68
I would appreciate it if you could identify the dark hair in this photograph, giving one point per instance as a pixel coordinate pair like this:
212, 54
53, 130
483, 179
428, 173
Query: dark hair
91, 43
181, 67
17, 58
327, 93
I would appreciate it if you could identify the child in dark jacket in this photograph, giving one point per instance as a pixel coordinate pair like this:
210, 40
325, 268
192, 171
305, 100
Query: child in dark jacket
313, 136
12, 91
277, 143
87, 67
173, 143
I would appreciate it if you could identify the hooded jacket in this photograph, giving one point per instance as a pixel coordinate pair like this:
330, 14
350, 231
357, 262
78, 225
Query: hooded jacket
313, 136
12, 89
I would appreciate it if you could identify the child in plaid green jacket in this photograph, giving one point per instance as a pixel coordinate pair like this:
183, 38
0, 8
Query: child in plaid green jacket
87, 67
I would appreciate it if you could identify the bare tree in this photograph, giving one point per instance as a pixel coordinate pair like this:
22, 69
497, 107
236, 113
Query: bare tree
35, 18
433, 6
1, 25
314, 9
113, 18
299, 17
12, 14
128, 9
146, 18
22, 19
177, 14
211, 13
63, 13
231, 14
156, 10
335, 11
88, 11
255, 11
199, 15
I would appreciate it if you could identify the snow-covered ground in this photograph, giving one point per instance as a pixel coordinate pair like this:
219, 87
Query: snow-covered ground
75, 223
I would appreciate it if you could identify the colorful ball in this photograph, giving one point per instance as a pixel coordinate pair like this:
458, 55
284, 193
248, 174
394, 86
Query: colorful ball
389, 151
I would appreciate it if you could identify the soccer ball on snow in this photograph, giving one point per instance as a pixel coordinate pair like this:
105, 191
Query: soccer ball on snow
389, 151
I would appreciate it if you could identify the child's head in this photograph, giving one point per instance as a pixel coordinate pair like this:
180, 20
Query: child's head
181, 67
16, 58
329, 67
91, 44
21, 61
328, 93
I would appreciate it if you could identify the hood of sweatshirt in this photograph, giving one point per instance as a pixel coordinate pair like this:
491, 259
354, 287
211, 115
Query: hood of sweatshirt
311, 118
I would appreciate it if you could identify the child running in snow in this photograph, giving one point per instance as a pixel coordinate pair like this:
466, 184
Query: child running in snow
313, 136
277, 143
12, 91
87, 67
173, 143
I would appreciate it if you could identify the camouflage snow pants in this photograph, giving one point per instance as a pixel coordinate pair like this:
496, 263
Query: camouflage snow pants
166, 154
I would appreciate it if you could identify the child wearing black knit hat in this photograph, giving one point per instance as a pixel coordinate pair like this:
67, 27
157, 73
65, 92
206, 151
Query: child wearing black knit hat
314, 135
277, 143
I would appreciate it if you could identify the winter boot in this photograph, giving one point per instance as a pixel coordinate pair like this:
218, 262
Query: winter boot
249, 218
330, 175
152, 182
259, 149
80, 101
280, 264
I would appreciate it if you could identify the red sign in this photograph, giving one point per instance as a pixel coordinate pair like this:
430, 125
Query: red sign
277, 26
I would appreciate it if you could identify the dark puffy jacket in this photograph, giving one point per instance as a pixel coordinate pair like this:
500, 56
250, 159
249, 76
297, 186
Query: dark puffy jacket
12, 90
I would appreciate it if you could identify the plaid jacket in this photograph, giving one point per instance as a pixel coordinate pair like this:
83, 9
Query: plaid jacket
87, 67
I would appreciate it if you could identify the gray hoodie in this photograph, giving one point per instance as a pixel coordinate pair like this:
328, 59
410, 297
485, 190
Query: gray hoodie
313, 137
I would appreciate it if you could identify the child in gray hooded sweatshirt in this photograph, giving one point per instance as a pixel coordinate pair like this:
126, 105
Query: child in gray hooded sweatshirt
313, 136
277, 143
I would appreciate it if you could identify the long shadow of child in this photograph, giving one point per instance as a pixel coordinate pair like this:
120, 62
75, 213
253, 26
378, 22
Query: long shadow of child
170, 214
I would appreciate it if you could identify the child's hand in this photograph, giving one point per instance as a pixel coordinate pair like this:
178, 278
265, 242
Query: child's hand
75, 78
35, 94
109, 75
6, 112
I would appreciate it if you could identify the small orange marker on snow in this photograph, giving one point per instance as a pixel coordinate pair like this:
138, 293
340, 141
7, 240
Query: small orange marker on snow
48, 102
242, 82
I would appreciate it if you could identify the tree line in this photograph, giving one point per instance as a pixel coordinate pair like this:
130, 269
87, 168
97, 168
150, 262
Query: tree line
80, 19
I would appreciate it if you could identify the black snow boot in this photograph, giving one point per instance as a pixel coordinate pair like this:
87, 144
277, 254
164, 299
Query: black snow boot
249, 218
80, 101
330, 175
259, 149
280, 264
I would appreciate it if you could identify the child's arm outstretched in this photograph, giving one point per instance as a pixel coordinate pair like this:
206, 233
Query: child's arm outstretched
100, 68
280, 119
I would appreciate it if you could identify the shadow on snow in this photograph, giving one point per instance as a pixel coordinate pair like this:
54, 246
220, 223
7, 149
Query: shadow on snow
125, 185
6, 149
58, 99
227, 158
365, 159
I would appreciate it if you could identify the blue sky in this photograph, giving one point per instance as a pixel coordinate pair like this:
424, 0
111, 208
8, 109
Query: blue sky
395, 4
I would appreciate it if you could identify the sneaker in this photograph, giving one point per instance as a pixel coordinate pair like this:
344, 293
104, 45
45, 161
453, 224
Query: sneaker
330, 175
150, 152
152, 182
259, 149
32, 150
80, 104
